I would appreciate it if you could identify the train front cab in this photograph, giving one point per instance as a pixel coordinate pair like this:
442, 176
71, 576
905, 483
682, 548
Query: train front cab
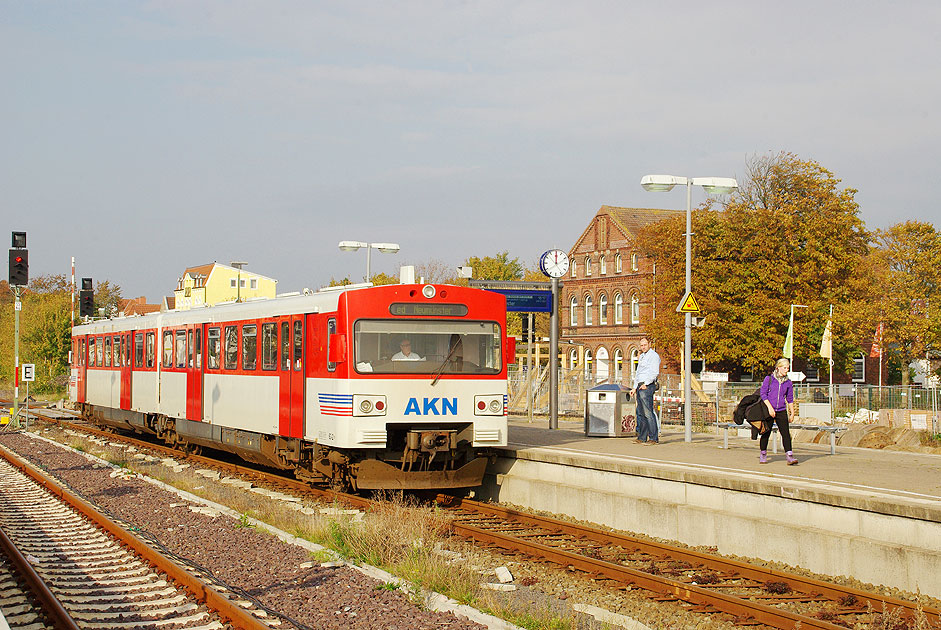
413, 424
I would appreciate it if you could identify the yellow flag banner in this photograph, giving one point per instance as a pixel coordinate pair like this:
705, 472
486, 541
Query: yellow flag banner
826, 344
788, 350
877, 343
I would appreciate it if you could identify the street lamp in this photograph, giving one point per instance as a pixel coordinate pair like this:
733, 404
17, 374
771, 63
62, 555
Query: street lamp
385, 248
238, 264
715, 186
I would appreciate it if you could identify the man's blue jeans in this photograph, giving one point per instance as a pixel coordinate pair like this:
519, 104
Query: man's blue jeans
646, 420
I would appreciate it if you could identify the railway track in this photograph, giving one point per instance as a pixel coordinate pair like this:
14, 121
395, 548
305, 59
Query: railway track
705, 583
97, 574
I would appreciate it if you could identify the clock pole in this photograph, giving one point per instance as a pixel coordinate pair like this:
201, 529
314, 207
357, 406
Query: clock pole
554, 358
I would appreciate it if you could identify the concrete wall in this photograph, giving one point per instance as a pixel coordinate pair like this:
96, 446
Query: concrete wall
862, 538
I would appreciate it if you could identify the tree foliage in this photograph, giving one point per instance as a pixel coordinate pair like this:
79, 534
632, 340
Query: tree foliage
908, 259
499, 267
790, 236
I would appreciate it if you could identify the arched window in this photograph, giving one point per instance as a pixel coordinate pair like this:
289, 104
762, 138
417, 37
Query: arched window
618, 309
573, 318
635, 309
604, 368
603, 309
859, 368
587, 266
618, 366
635, 357
588, 364
634, 261
617, 264
573, 359
588, 305
604, 266
574, 265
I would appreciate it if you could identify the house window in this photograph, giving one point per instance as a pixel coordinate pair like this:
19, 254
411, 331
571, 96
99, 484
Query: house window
588, 305
603, 309
617, 264
254, 283
813, 373
859, 368
634, 261
618, 309
587, 266
588, 362
618, 365
635, 309
604, 266
232, 283
242, 283
573, 318
574, 265
573, 359
635, 356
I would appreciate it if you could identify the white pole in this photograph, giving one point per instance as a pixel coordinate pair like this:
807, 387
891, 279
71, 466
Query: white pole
688, 336
831, 362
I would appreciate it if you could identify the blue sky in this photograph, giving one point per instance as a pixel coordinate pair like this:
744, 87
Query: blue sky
145, 137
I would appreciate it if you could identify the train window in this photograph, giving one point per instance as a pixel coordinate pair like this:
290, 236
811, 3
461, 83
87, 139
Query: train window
167, 348
81, 354
231, 347
214, 337
91, 351
299, 344
331, 330
181, 348
139, 350
269, 346
453, 347
127, 350
107, 351
196, 348
249, 347
285, 347
151, 343
118, 353
99, 350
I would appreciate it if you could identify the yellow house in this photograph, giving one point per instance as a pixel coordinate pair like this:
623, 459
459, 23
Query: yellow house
214, 283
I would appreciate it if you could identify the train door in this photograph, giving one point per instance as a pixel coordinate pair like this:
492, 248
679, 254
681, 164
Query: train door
81, 362
194, 372
291, 377
125, 402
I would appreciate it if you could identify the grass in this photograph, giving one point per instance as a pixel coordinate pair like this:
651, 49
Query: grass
927, 439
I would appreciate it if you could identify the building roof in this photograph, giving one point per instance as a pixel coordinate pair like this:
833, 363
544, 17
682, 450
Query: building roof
137, 306
201, 272
632, 219
626, 221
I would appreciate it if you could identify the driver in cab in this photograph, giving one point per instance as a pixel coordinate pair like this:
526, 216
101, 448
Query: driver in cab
405, 353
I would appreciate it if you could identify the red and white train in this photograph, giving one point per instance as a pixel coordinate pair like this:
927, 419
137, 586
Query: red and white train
313, 382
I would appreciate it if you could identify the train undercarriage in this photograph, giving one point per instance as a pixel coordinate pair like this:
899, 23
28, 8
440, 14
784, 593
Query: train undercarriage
414, 459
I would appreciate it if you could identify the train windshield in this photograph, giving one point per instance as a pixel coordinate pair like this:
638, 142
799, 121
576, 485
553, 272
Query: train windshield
427, 347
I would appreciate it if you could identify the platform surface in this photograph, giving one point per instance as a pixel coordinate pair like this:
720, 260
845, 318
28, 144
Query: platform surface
894, 482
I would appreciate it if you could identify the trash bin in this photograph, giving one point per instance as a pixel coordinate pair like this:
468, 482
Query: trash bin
609, 411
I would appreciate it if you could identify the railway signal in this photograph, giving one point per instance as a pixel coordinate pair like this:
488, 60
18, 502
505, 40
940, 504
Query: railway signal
19, 261
86, 299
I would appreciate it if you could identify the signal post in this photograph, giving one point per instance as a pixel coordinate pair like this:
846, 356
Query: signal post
19, 277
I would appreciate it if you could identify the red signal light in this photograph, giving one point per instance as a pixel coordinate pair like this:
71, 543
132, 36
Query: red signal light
18, 259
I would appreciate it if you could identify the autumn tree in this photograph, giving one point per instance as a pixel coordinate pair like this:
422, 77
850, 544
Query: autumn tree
790, 235
909, 291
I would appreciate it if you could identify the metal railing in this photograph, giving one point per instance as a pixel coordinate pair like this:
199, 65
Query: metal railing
714, 402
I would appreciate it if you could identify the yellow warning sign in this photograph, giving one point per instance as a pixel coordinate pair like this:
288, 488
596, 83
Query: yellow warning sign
688, 304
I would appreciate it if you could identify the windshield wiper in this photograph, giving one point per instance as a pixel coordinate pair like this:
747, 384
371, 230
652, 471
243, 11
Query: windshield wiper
444, 364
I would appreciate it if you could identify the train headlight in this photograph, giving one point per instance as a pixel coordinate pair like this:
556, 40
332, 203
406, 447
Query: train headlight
369, 405
428, 291
496, 406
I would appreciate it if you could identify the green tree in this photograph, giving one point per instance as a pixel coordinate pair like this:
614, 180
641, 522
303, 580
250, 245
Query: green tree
789, 236
499, 267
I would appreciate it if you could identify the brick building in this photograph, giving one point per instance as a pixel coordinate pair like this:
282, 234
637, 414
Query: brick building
605, 299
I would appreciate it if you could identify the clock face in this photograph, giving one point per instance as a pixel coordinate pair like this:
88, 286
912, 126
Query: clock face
554, 263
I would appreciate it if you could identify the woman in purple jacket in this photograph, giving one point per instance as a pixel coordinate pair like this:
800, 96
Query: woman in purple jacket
777, 392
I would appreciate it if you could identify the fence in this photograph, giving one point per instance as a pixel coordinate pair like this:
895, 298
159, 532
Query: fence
715, 402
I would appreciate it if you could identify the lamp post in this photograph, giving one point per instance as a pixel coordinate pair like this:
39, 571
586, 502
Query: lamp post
385, 248
238, 264
715, 186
